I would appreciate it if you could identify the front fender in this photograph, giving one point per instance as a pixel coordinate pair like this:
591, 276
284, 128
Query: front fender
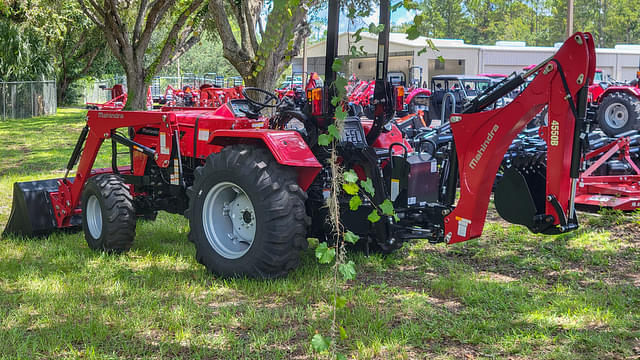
287, 147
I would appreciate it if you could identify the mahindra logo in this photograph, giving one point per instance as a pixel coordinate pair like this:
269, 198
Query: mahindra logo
474, 162
110, 115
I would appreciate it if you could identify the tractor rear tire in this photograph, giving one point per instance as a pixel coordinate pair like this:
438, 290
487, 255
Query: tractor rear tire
618, 112
108, 216
247, 214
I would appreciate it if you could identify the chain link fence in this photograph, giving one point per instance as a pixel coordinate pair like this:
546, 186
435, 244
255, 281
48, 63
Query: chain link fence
26, 99
94, 90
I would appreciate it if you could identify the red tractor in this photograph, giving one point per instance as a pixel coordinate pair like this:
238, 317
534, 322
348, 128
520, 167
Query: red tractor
616, 107
254, 187
417, 95
117, 102
118, 99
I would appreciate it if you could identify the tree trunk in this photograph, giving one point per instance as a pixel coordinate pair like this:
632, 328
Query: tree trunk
136, 90
61, 91
265, 80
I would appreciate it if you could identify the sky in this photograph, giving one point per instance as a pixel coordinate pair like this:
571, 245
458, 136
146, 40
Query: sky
397, 17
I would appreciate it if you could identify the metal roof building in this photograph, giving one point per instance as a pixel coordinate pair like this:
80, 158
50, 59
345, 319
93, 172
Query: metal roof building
505, 57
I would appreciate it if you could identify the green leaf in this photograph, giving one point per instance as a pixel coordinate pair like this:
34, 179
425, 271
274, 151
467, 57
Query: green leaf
351, 237
324, 253
356, 36
373, 217
341, 115
341, 301
376, 29
350, 176
335, 101
319, 343
337, 65
343, 335
387, 207
333, 131
351, 188
432, 46
367, 185
422, 51
413, 33
324, 139
341, 357
340, 84
441, 59
410, 5
355, 202
348, 270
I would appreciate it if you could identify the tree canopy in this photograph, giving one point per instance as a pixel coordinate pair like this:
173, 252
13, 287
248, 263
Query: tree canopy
538, 22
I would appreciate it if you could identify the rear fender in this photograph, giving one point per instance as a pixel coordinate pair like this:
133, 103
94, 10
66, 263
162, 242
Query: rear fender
632, 91
287, 147
416, 92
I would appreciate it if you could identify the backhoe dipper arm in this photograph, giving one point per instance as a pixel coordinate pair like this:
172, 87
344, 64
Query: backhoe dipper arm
101, 124
482, 138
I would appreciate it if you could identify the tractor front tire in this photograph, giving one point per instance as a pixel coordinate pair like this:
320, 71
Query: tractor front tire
618, 112
108, 216
247, 214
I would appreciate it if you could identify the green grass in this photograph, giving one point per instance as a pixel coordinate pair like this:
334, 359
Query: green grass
510, 294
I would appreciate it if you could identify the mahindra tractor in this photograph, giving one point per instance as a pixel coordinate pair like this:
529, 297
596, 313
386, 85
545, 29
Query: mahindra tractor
118, 99
417, 95
117, 102
615, 107
254, 187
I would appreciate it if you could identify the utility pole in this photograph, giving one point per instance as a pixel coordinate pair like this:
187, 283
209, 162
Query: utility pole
569, 17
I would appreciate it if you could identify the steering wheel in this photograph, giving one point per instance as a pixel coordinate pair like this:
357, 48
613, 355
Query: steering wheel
260, 105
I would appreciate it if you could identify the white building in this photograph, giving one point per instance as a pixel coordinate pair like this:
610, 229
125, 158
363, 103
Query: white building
505, 57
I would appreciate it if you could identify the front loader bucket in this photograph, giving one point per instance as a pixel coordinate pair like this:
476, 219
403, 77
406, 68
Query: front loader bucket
32, 212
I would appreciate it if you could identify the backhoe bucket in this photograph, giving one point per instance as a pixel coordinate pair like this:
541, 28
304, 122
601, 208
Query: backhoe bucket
32, 212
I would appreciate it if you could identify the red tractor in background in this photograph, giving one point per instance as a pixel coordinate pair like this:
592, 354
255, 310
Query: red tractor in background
117, 102
118, 99
615, 107
254, 187
417, 95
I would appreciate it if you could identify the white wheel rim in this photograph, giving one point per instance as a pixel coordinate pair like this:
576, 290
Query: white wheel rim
616, 115
94, 217
228, 220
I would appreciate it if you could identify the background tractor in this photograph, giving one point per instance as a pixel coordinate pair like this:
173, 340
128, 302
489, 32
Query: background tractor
614, 106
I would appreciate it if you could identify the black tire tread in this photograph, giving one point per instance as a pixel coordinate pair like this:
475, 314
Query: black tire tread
633, 106
119, 224
286, 231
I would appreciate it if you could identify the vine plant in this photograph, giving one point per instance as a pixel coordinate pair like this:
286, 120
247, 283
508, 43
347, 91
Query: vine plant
347, 181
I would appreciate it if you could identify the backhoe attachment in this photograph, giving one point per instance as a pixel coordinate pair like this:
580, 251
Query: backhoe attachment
539, 194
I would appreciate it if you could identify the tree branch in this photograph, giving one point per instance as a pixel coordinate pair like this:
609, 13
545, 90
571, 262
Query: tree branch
91, 16
231, 49
173, 37
156, 13
138, 26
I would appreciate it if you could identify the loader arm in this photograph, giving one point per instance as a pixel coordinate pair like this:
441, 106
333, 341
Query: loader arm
101, 126
482, 138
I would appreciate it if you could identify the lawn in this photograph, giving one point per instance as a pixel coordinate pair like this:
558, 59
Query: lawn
510, 294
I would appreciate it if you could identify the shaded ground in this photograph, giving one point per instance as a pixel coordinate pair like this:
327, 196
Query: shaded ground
510, 294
